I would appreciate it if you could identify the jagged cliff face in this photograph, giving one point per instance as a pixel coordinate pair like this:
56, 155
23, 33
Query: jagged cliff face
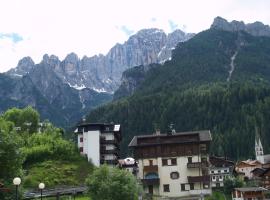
103, 72
255, 29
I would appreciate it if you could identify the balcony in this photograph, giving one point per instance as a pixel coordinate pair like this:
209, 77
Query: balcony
197, 165
104, 141
199, 192
111, 151
109, 162
151, 178
150, 168
198, 179
150, 181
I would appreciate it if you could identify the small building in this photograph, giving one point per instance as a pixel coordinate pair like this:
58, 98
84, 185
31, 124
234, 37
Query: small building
220, 169
249, 193
129, 164
247, 167
174, 165
262, 177
99, 142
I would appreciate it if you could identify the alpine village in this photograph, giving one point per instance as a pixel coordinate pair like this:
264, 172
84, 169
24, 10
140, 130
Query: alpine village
161, 116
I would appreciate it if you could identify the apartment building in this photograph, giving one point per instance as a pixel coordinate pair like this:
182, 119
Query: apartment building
220, 169
99, 142
173, 165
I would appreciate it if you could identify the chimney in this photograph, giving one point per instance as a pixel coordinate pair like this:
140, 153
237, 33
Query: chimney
157, 132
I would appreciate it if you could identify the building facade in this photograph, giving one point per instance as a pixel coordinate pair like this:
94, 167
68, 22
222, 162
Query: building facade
174, 165
99, 142
248, 193
219, 170
246, 167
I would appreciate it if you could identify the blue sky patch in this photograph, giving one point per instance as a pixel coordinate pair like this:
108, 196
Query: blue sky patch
126, 30
14, 36
173, 26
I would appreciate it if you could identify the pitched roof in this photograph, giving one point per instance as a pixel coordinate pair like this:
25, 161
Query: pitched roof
258, 171
250, 162
197, 136
220, 162
250, 189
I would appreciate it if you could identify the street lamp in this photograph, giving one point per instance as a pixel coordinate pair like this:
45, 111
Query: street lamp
17, 182
41, 186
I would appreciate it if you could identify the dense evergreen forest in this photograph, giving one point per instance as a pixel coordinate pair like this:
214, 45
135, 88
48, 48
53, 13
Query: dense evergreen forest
192, 91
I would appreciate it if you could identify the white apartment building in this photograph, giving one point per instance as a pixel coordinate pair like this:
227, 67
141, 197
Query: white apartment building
174, 165
99, 142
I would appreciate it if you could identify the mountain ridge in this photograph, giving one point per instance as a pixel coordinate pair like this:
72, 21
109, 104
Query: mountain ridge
103, 72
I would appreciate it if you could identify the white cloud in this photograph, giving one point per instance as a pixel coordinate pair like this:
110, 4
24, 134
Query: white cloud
89, 27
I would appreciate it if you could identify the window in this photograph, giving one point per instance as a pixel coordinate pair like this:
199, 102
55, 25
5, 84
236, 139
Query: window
205, 185
213, 177
191, 185
81, 139
164, 162
166, 188
81, 149
183, 188
204, 159
174, 175
212, 172
217, 184
150, 162
218, 171
189, 159
225, 170
173, 161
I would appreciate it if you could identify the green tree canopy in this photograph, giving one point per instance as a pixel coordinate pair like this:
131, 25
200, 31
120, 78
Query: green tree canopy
27, 119
11, 158
108, 183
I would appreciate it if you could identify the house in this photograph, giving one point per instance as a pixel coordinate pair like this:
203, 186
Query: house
129, 164
246, 167
220, 169
99, 142
249, 193
262, 177
174, 165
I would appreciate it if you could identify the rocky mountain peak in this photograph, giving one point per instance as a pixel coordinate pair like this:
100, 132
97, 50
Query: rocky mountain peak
255, 29
103, 73
26, 62
25, 65
72, 58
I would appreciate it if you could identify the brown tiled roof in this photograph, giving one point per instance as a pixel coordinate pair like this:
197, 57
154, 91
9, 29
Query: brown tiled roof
220, 162
198, 136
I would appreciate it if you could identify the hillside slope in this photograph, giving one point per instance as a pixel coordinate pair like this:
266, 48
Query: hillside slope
218, 80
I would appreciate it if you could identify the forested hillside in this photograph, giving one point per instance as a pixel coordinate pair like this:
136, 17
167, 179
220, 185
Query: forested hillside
196, 91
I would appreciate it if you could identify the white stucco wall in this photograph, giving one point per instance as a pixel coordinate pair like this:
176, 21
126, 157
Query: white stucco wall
175, 184
91, 146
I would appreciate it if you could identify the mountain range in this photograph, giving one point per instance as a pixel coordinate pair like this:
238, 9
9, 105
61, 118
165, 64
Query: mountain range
64, 91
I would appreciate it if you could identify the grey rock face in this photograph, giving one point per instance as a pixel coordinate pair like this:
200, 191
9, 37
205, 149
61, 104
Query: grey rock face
24, 66
255, 29
103, 72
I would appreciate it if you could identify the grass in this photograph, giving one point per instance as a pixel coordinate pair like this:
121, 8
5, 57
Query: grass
57, 173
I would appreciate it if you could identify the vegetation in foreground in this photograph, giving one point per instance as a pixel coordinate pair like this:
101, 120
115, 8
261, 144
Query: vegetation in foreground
108, 183
37, 152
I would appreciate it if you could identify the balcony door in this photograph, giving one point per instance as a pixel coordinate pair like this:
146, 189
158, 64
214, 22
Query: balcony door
150, 189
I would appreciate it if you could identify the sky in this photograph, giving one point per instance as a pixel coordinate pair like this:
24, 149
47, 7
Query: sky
88, 27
